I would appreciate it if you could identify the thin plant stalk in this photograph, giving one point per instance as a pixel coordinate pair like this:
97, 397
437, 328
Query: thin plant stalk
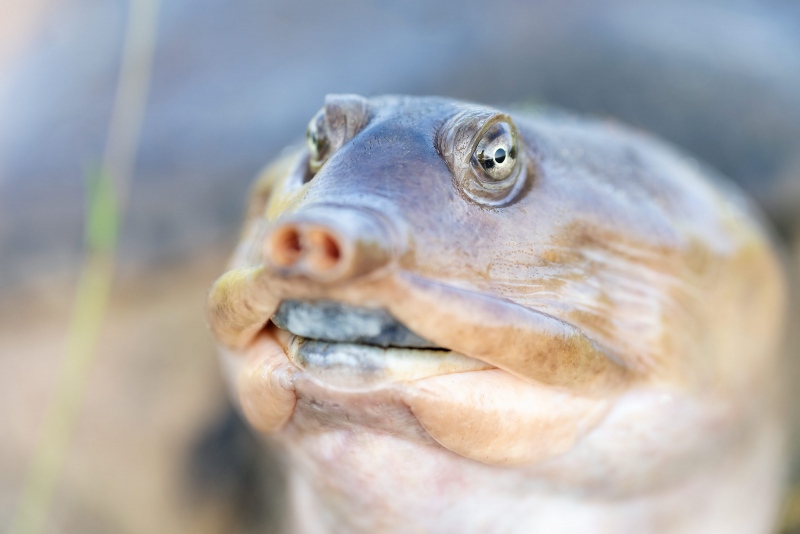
106, 197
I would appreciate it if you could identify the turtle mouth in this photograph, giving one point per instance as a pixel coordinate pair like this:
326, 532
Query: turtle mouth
350, 346
336, 322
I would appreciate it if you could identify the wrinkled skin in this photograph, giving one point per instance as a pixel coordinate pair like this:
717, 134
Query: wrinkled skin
613, 320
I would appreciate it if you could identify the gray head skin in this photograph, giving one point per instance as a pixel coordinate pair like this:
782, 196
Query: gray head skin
505, 323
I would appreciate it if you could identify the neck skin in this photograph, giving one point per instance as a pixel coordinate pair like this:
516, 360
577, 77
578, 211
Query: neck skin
347, 477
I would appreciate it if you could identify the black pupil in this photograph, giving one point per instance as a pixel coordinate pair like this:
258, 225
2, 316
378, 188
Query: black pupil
499, 155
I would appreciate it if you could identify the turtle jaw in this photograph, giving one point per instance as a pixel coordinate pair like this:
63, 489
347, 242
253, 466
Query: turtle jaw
295, 389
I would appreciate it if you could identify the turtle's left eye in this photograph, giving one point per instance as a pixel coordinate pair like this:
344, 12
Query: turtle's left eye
495, 156
486, 155
317, 141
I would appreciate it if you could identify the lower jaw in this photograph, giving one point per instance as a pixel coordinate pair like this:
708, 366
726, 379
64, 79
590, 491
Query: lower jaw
357, 367
422, 395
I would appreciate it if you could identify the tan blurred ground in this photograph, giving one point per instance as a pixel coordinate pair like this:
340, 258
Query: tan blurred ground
153, 390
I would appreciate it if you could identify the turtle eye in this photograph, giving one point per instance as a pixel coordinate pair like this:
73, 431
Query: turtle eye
495, 155
339, 120
317, 141
486, 155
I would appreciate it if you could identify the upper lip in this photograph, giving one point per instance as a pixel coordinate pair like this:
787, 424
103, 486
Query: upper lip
336, 322
534, 346
356, 347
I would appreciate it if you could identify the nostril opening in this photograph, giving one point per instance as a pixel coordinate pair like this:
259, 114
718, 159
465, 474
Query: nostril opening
326, 252
285, 246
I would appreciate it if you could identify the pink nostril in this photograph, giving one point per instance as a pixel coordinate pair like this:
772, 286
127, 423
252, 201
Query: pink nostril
284, 246
326, 244
325, 252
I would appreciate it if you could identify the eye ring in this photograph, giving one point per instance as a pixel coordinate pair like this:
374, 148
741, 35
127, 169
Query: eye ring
339, 120
485, 154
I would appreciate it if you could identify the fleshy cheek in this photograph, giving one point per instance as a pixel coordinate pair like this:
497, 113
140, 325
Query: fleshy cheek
263, 379
495, 418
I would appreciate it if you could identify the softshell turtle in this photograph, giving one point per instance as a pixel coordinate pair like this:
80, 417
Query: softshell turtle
454, 319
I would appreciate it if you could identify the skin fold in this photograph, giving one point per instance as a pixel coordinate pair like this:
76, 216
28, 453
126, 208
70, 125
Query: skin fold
613, 313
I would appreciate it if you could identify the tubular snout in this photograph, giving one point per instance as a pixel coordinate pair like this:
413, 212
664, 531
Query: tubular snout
328, 244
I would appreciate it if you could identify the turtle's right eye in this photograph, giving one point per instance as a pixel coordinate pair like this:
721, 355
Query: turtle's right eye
339, 120
317, 141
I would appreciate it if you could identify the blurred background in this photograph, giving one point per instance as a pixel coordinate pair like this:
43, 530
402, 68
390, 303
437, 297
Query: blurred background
177, 104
